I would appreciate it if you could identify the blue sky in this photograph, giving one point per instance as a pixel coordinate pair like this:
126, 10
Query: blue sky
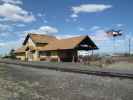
66, 18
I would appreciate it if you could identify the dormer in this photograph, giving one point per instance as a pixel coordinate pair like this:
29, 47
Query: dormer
38, 40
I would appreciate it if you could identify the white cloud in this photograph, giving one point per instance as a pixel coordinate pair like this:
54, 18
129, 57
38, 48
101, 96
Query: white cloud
41, 15
89, 8
81, 29
74, 16
11, 44
94, 28
64, 36
45, 21
119, 25
10, 12
44, 30
20, 25
5, 27
2, 44
100, 35
12, 1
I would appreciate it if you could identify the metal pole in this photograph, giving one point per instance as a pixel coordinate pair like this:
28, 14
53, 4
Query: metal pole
113, 45
129, 46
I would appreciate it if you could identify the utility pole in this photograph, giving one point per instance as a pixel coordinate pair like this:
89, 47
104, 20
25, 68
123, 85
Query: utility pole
129, 41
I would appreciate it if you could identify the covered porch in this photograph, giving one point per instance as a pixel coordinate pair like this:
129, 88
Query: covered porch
70, 54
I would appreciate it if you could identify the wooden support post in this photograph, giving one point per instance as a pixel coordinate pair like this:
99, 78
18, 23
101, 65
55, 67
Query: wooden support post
92, 52
73, 60
59, 59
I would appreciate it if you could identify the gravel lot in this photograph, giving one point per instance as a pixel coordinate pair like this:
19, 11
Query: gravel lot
25, 83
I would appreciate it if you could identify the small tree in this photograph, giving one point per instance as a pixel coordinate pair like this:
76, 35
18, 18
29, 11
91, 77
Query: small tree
12, 54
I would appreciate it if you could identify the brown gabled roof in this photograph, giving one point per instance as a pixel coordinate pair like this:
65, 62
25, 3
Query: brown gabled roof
20, 50
24, 48
62, 44
39, 38
52, 43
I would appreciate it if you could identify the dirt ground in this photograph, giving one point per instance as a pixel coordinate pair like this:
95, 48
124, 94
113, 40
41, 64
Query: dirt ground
25, 83
121, 65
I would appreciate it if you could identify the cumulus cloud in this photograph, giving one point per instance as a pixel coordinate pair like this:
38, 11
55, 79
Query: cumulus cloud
41, 15
45, 21
119, 25
74, 16
12, 1
20, 25
12, 44
5, 27
2, 44
44, 30
94, 28
99, 35
10, 12
89, 8
81, 29
49, 30
64, 36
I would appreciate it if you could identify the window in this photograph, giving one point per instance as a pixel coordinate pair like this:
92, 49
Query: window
54, 53
48, 54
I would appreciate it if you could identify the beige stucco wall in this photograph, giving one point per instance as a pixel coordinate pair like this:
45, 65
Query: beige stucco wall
21, 56
30, 43
34, 55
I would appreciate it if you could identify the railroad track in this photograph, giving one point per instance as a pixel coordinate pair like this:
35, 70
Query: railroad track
75, 68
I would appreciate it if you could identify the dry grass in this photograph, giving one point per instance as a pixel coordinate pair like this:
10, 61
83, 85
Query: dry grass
17, 90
